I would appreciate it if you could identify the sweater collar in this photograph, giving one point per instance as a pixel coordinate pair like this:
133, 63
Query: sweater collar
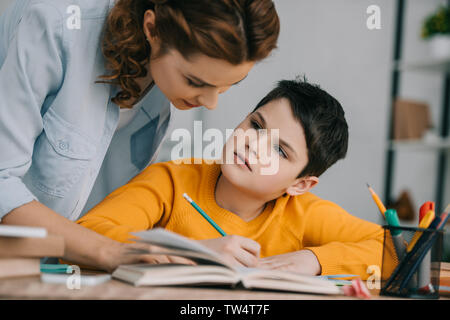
252, 228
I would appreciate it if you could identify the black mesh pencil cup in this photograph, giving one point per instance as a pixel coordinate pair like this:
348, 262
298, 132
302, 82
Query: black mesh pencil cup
411, 262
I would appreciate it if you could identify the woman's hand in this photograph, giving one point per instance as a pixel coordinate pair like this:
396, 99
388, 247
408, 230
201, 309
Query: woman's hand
303, 261
235, 250
83, 246
118, 253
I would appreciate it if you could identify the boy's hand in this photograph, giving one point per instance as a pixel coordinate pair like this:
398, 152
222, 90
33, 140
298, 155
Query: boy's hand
303, 261
235, 250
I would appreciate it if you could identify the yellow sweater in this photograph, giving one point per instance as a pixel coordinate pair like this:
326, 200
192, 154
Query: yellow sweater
342, 243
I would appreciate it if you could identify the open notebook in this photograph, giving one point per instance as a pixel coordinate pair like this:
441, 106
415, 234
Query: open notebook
211, 269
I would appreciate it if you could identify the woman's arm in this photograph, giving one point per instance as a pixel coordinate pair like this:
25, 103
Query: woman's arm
32, 70
82, 246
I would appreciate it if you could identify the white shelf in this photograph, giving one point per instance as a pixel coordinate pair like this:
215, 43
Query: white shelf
432, 65
420, 145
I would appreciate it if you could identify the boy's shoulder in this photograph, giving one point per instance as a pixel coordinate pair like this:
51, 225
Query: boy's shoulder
188, 164
306, 199
186, 167
310, 203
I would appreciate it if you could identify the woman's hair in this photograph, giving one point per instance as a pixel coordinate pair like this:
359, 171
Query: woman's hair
237, 31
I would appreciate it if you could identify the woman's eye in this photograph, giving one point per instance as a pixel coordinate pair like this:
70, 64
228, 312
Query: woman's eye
193, 84
281, 151
255, 125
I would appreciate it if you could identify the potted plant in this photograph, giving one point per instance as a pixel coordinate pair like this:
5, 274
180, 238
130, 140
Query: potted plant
436, 29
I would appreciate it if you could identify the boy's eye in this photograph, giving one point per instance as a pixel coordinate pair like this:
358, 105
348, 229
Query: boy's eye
255, 125
280, 151
193, 84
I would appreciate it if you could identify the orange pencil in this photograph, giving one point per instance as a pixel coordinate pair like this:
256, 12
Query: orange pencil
377, 200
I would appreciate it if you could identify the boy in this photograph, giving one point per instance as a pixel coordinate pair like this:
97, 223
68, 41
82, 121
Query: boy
274, 220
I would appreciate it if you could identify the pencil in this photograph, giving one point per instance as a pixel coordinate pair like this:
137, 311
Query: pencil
377, 200
203, 213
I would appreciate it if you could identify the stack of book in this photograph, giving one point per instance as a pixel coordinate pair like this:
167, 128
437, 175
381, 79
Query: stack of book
21, 249
444, 276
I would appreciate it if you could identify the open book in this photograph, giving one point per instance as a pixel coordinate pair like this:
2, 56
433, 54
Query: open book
211, 269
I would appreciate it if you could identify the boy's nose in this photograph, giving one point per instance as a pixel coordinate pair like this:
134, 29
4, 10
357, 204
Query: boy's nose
252, 150
260, 147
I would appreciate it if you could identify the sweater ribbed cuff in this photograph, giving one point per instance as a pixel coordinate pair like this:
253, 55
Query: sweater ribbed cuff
327, 260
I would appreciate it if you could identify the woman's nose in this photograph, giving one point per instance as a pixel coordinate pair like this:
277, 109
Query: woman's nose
210, 97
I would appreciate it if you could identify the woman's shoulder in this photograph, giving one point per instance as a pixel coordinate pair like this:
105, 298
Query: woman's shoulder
56, 16
82, 9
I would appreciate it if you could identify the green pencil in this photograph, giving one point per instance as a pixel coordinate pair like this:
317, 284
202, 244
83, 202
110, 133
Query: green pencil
203, 213
56, 268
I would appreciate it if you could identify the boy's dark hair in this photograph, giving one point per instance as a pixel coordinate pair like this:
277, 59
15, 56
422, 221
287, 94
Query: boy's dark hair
322, 119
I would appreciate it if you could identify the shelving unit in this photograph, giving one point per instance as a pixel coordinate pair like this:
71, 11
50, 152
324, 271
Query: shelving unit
435, 65
442, 145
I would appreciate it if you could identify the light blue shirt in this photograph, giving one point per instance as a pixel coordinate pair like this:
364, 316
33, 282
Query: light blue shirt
58, 139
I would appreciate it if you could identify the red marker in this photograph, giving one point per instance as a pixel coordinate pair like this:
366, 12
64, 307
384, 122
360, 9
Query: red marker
427, 206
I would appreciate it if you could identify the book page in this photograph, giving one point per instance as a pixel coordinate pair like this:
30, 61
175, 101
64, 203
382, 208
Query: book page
168, 239
22, 231
198, 257
285, 281
177, 245
255, 273
285, 285
175, 274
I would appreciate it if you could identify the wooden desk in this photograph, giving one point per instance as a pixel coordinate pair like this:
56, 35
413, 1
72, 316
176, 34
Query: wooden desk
33, 288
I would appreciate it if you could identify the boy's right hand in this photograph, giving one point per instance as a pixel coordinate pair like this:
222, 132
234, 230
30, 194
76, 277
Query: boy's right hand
235, 250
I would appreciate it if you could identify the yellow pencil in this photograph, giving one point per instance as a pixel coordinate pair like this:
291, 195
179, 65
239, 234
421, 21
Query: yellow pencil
377, 200
424, 223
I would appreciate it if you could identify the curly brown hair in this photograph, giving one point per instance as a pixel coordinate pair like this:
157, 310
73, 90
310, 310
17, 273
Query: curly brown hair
233, 30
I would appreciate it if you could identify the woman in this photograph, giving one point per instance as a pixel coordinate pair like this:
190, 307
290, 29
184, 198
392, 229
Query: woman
85, 98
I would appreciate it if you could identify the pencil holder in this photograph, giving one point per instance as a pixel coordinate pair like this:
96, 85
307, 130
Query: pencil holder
411, 262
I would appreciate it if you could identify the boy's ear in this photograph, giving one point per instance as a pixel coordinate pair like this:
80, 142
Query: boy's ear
302, 185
